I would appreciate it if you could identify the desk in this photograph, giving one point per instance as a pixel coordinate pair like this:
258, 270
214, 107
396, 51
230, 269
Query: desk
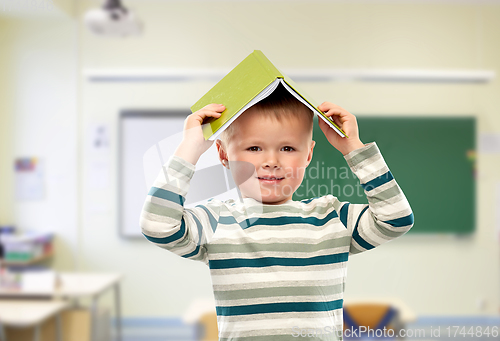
23, 314
75, 285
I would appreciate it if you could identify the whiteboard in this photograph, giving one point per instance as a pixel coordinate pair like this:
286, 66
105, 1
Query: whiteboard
147, 139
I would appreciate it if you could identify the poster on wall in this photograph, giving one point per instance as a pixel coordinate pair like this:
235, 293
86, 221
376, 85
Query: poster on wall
29, 178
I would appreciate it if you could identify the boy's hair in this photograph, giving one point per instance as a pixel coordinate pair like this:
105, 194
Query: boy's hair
279, 104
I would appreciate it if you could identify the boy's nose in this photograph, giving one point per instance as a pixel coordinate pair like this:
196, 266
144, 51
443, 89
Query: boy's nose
270, 165
271, 161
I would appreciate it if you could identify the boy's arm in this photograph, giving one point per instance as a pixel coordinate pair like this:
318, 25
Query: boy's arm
164, 221
388, 214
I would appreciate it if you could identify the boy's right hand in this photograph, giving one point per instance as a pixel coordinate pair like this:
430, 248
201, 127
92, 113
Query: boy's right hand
193, 143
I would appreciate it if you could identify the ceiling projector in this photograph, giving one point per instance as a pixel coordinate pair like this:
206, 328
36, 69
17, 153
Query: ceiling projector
113, 19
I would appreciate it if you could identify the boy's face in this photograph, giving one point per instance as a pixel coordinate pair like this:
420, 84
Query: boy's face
267, 157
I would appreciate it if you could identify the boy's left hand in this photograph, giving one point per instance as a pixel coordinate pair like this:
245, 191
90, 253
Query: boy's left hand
347, 122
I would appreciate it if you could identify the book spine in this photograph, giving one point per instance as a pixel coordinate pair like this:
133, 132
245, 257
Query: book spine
267, 65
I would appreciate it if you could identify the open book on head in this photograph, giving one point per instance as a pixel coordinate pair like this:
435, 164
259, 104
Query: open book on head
249, 82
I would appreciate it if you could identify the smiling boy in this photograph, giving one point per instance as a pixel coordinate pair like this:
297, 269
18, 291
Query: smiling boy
278, 266
278, 163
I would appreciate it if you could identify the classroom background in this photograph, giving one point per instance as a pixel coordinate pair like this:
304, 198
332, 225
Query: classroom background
63, 89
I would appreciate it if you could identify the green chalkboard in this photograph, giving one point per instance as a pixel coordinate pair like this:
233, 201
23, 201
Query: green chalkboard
432, 159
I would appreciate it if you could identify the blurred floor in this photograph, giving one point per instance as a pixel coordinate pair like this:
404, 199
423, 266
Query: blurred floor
156, 329
425, 328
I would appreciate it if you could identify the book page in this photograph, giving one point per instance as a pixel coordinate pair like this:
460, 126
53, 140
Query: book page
263, 94
314, 110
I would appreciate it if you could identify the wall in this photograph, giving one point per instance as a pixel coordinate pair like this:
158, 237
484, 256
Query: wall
435, 275
39, 112
6, 206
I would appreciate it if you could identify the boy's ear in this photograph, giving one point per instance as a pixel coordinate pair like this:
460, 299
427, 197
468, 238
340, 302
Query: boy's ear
310, 155
222, 153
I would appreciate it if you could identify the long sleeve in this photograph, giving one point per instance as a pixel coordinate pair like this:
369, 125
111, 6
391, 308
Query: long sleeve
166, 223
388, 214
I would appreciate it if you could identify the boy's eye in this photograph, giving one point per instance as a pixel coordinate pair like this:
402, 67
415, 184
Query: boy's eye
287, 149
254, 149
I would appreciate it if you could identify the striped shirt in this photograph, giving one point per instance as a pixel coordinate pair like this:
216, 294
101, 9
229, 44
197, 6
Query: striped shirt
278, 271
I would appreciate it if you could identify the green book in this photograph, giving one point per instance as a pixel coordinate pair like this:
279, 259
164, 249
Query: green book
250, 81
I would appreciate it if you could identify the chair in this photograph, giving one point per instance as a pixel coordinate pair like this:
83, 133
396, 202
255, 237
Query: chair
366, 321
207, 327
202, 316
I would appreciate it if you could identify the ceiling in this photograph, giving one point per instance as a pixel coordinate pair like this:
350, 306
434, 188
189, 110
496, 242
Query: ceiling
25, 8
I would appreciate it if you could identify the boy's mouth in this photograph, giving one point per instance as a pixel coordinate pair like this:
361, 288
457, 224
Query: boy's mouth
270, 179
